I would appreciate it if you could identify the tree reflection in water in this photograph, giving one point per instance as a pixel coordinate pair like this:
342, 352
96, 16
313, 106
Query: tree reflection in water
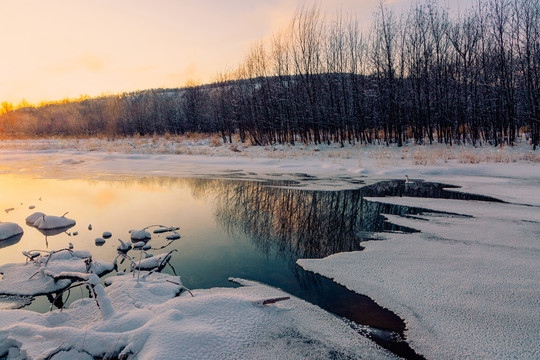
301, 223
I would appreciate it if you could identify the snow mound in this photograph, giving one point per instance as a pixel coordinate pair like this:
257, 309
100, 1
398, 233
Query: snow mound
36, 277
149, 322
8, 230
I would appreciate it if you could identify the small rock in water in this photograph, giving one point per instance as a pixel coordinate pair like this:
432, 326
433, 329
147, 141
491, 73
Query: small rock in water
100, 241
31, 219
123, 247
71, 245
31, 207
75, 233
107, 235
8, 230
31, 255
8, 210
89, 226
163, 230
138, 244
173, 237
48, 222
140, 235
147, 247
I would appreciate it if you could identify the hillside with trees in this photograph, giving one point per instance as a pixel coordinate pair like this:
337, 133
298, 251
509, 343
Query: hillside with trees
425, 76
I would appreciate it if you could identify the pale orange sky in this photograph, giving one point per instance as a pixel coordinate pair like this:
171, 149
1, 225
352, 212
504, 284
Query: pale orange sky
64, 48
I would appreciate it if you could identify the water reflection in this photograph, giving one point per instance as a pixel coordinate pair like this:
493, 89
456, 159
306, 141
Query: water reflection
11, 240
301, 223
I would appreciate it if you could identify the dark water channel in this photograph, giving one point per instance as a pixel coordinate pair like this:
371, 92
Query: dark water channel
248, 229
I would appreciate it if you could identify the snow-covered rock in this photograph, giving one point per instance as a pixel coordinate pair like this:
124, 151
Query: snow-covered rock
124, 246
42, 221
153, 262
140, 235
31, 219
35, 277
8, 230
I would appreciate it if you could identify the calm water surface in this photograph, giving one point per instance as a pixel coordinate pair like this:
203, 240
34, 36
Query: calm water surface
247, 229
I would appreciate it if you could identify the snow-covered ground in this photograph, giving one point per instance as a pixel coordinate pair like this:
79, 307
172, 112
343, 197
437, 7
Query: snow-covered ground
467, 287
142, 318
185, 157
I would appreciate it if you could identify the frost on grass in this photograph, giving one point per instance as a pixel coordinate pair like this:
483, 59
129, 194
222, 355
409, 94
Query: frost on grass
466, 286
37, 276
152, 322
8, 230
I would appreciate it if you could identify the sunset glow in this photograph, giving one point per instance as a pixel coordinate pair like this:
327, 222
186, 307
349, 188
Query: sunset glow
66, 48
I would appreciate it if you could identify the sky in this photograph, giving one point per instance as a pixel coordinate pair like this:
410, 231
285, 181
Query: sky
55, 49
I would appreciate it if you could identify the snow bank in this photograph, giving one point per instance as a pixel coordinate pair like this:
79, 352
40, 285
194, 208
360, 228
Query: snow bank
219, 323
8, 230
467, 287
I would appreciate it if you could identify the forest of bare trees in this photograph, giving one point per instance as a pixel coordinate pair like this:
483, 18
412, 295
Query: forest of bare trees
424, 76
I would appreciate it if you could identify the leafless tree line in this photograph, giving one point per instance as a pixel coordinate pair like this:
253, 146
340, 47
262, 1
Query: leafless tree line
424, 76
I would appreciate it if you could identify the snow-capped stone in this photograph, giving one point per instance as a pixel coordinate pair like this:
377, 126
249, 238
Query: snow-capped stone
123, 246
8, 230
153, 262
48, 222
31, 219
140, 235
139, 244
